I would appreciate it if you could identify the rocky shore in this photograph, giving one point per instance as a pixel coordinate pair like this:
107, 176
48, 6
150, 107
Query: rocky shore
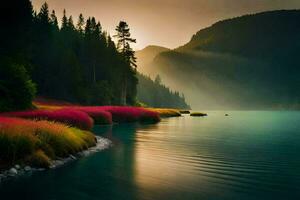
18, 170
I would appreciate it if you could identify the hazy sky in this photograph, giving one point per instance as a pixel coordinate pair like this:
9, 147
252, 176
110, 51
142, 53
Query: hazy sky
168, 23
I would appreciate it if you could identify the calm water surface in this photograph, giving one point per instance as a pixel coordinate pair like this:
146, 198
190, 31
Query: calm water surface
248, 155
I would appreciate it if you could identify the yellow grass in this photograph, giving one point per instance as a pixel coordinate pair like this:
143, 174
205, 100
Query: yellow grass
47, 107
198, 114
34, 142
166, 112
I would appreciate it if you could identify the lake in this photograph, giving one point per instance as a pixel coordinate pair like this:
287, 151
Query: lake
247, 155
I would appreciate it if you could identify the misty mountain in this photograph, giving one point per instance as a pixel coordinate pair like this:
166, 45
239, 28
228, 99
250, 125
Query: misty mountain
146, 56
248, 62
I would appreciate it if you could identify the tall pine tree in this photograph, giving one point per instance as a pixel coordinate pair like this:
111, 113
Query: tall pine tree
123, 35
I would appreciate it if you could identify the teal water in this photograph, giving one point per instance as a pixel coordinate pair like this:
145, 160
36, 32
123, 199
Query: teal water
247, 155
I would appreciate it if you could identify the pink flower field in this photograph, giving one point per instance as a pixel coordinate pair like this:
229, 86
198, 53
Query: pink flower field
71, 117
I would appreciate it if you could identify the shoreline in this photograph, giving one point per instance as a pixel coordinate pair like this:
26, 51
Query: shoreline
18, 171
114, 114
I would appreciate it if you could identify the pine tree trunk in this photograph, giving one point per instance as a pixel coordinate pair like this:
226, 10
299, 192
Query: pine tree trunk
124, 93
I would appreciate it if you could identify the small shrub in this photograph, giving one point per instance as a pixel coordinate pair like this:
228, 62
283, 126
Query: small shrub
127, 114
149, 117
198, 114
123, 114
16, 88
100, 116
184, 112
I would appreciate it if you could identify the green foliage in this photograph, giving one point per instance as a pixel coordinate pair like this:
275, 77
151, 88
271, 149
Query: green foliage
124, 39
140, 104
80, 64
16, 89
128, 89
54, 20
80, 24
155, 94
100, 94
222, 36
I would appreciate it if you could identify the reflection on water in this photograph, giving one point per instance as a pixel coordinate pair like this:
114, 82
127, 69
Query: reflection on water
248, 155
252, 155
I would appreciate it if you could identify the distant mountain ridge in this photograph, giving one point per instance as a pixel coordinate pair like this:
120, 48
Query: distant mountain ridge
146, 56
236, 34
248, 62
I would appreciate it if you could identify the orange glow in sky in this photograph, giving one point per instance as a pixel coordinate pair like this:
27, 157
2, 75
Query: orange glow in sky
168, 23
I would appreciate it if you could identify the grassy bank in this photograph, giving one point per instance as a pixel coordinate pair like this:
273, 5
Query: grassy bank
166, 112
108, 114
36, 143
51, 131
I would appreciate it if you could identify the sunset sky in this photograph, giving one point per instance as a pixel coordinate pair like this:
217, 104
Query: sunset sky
168, 23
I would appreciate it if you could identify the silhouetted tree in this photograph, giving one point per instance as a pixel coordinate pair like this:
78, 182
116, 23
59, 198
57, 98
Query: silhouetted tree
80, 24
124, 39
157, 80
16, 88
79, 64
129, 85
64, 21
54, 20
43, 15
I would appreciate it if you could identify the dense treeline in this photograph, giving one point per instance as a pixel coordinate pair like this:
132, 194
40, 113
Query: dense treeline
16, 88
76, 61
155, 94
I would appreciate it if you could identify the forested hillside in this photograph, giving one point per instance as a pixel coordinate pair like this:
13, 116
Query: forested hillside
249, 62
71, 59
156, 94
